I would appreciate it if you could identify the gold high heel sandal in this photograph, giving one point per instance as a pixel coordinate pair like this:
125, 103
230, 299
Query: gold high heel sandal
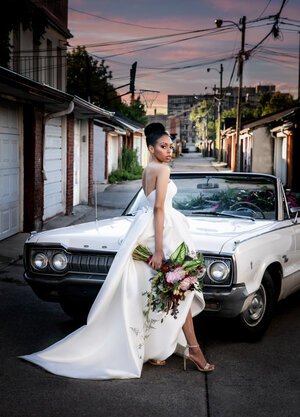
156, 362
207, 368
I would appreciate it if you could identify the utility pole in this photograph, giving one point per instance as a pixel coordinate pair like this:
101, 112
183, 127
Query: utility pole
220, 114
218, 141
87, 78
132, 81
241, 58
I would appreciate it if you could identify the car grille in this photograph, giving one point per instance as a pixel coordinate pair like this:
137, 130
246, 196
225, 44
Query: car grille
96, 264
77, 261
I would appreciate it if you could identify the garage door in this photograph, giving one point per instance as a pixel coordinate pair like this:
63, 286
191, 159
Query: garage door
9, 172
54, 169
99, 154
113, 156
77, 159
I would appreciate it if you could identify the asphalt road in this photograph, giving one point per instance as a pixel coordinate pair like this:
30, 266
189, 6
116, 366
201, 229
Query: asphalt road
257, 379
251, 379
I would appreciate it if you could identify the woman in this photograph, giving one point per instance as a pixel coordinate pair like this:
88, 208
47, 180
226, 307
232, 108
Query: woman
116, 342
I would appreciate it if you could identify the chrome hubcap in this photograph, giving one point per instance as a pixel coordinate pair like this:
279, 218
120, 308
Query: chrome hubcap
257, 308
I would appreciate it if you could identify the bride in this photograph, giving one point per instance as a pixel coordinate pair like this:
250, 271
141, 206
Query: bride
116, 342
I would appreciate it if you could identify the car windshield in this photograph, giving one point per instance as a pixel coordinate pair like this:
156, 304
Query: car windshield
221, 195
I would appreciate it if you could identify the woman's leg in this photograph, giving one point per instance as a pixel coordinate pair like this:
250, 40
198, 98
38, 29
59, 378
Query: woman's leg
195, 351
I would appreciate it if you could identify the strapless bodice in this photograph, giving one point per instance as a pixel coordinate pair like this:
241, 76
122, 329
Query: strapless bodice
171, 192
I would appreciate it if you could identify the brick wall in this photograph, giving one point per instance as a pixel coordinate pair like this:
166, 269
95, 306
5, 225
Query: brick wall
33, 164
70, 163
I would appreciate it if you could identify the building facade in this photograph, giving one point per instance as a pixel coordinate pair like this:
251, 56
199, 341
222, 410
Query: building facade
46, 135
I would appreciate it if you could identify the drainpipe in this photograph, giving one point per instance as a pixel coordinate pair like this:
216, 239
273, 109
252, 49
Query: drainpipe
284, 131
46, 119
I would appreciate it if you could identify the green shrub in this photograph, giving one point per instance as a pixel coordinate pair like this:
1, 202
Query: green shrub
130, 168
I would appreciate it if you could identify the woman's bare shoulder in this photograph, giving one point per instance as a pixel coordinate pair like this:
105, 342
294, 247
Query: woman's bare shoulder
157, 169
162, 169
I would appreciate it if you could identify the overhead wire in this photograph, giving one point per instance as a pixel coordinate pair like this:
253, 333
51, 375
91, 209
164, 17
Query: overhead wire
121, 22
178, 38
265, 9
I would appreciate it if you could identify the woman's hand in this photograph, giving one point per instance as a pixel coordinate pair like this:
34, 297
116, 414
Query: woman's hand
156, 260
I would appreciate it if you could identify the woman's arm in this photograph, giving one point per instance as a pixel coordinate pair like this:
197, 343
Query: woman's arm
163, 177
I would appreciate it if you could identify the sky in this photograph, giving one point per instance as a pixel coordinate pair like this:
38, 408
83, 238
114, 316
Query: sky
175, 42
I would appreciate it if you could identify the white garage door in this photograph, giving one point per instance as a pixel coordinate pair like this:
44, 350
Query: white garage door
113, 156
99, 154
77, 159
54, 168
9, 172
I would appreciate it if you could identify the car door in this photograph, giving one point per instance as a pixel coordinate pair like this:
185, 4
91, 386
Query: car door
291, 281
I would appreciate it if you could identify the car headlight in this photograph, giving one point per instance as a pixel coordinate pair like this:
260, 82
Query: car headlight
218, 271
59, 261
39, 261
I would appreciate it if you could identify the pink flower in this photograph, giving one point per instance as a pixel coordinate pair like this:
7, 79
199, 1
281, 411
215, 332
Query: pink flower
185, 284
193, 279
176, 275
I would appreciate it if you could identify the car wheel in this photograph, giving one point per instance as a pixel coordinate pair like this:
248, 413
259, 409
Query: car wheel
76, 311
254, 321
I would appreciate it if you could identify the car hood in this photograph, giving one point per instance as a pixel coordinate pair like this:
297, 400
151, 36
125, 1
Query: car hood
97, 235
221, 235
216, 235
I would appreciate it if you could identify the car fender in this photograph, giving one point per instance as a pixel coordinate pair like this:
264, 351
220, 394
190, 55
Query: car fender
254, 256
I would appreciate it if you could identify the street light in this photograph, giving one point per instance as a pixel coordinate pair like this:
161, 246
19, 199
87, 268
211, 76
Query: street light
241, 57
219, 109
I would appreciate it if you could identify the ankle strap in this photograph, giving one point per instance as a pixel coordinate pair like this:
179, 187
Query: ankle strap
192, 346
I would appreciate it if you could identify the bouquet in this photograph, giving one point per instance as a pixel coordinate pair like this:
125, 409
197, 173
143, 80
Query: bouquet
183, 271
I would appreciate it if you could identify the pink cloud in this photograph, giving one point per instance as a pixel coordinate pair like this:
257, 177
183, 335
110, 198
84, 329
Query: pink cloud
90, 30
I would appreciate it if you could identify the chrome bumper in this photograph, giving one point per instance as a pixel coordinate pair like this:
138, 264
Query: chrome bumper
226, 304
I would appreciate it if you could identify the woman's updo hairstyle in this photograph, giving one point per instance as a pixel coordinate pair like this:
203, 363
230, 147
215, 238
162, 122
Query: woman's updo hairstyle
153, 132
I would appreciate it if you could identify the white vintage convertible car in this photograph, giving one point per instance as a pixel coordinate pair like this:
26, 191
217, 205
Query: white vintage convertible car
243, 224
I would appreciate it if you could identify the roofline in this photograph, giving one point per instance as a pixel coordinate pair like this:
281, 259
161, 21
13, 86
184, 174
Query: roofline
34, 88
129, 126
92, 107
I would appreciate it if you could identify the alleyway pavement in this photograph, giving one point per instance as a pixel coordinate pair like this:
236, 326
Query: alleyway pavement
110, 201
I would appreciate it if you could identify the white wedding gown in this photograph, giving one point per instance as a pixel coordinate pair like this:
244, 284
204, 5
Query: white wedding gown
115, 342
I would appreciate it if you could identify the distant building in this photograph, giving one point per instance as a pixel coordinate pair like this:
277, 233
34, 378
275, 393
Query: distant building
180, 107
158, 118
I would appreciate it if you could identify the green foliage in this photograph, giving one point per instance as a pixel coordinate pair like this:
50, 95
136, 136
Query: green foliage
202, 117
268, 103
277, 102
224, 199
180, 254
130, 168
89, 79
191, 202
135, 111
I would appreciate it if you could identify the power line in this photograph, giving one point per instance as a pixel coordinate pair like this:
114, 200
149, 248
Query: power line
122, 23
265, 9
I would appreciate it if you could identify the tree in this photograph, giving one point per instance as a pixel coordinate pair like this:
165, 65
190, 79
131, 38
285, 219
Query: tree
268, 103
89, 79
135, 111
277, 102
203, 120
